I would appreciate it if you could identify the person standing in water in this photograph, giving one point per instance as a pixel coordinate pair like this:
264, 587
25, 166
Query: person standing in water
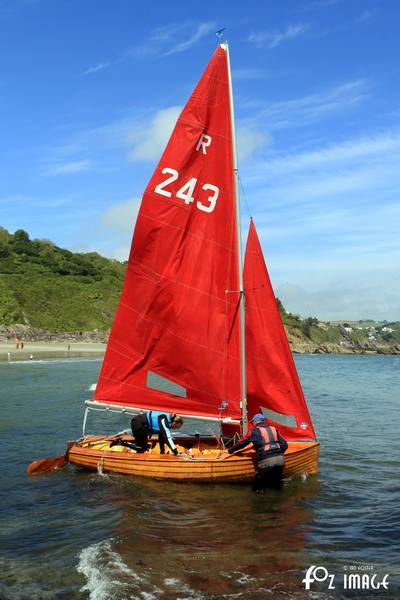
270, 447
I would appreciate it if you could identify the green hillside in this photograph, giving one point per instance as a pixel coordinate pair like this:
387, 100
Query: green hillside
47, 287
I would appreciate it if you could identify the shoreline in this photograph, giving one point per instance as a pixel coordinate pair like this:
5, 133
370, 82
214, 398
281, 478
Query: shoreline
44, 350
39, 343
48, 350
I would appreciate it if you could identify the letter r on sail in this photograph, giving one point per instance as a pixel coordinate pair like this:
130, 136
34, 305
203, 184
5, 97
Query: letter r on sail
203, 143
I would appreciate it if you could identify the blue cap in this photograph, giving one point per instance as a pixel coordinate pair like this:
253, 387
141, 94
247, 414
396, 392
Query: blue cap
258, 417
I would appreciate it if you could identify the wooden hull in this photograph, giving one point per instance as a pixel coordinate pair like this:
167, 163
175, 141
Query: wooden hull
213, 467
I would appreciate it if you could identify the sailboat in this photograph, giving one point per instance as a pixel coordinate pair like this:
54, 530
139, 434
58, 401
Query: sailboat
196, 333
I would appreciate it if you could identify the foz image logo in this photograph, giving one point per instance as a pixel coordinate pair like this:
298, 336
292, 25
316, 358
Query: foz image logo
320, 574
350, 581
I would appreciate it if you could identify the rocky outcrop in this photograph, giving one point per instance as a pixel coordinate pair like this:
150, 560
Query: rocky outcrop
32, 334
300, 344
329, 348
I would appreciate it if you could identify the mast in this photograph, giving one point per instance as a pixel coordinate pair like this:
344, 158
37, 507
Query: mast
239, 251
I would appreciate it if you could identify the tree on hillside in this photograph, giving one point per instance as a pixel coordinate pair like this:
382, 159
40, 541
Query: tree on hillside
307, 324
281, 308
4, 249
21, 242
5, 236
21, 236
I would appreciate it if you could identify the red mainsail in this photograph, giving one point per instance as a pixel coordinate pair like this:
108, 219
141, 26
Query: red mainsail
174, 344
273, 386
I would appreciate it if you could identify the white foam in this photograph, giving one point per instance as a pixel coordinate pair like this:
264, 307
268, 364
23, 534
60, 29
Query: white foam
103, 567
100, 470
182, 588
171, 581
108, 577
244, 579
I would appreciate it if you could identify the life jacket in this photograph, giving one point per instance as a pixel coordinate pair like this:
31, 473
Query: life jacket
152, 419
270, 437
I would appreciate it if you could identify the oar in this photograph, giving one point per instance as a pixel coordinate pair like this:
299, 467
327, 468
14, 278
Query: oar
233, 454
44, 465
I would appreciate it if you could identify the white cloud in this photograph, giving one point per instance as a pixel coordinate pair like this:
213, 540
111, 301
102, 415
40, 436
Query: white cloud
7, 201
328, 221
121, 253
167, 33
115, 226
149, 142
318, 4
268, 39
120, 218
311, 108
111, 231
249, 140
364, 19
373, 147
246, 74
202, 30
163, 41
140, 137
343, 300
99, 67
366, 165
68, 168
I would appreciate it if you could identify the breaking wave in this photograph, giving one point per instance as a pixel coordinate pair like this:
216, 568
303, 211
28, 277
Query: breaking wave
107, 576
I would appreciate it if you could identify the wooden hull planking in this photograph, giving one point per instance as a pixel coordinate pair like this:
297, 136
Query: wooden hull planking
300, 458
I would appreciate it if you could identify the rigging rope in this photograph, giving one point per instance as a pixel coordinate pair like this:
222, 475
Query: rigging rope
244, 195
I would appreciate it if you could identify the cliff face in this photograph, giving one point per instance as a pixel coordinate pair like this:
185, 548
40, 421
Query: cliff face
27, 333
356, 341
307, 347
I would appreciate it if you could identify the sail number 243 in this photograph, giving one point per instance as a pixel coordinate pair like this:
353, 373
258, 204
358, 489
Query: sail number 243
187, 190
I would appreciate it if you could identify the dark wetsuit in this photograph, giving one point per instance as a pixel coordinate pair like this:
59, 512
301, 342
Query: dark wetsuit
145, 424
141, 431
269, 446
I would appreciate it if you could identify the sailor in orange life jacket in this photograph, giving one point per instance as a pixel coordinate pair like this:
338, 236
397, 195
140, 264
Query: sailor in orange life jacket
269, 446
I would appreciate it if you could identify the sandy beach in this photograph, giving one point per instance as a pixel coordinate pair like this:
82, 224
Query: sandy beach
43, 350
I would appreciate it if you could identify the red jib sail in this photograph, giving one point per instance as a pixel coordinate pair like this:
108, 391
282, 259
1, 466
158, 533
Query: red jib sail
174, 344
273, 386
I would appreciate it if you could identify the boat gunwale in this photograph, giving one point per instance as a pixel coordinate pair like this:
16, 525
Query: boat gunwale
247, 455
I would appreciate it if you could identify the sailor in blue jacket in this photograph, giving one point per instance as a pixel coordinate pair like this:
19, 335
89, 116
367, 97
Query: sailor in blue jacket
145, 424
270, 447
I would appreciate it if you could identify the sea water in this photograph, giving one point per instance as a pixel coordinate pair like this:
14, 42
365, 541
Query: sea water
71, 534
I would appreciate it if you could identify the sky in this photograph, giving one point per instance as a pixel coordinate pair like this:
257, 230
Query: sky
90, 91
